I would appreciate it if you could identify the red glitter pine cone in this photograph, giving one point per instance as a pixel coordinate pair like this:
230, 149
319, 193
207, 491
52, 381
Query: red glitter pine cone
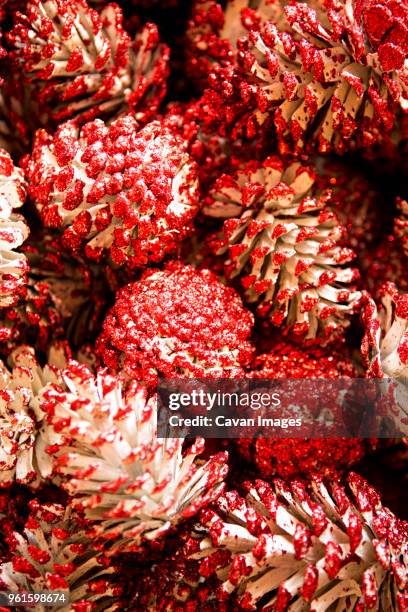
78, 63
319, 547
283, 241
336, 80
177, 322
132, 193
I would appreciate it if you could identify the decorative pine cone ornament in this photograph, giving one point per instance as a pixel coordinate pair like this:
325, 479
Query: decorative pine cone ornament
177, 322
23, 432
13, 232
78, 63
337, 79
213, 32
401, 224
53, 555
132, 193
131, 484
282, 241
289, 457
295, 548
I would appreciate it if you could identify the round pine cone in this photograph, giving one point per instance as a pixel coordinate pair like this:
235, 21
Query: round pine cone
177, 322
283, 242
132, 193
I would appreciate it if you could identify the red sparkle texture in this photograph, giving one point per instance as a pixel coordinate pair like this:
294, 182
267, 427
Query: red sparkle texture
177, 322
115, 188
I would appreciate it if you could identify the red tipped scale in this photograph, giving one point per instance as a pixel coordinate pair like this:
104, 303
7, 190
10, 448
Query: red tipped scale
287, 547
133, 486
53, 555
385, 343
132, 193
81, 63
177, 322
282, 240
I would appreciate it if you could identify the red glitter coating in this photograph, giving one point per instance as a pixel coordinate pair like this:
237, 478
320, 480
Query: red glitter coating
131, 192
78, 63
273, 566
322, 83
291, 457
177, 322
40, 562
282, 241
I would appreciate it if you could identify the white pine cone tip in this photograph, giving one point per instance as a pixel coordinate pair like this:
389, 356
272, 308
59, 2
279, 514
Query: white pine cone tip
385, 343
132, 485
13, 232
132, 192
177, 322
336, 79
293, 548
22, 429
53, 554
81, 63
283, 241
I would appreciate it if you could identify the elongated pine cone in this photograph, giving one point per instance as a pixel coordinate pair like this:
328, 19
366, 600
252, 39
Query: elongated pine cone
401, 225
282, 241
292, 548
177, 322
79, 63
132, 485
337, 80
22, 430
13, 232
53, 555
290, 457
133, 193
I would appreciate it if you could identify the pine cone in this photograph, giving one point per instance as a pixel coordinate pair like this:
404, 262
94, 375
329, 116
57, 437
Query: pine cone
22, 429
178, 322
134, 193
282, 241
54, 555
13, 231
132, 485
78, 63
401, 224
289, 548
338, 79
